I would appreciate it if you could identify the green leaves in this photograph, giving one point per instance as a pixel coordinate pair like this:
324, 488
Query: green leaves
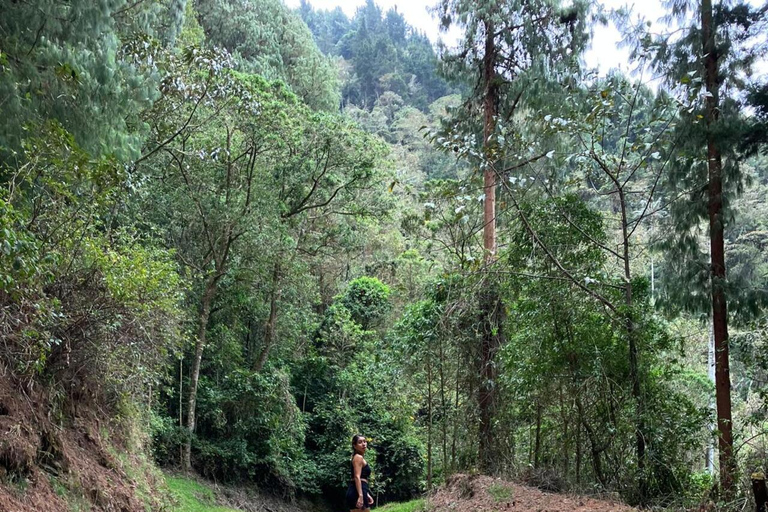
366, 298
273, 42
64, 63
19, 253
72, 261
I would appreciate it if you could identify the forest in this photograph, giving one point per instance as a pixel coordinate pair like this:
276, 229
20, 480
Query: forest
233, 234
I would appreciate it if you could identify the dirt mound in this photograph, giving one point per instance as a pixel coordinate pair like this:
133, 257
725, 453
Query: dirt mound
475, 493
47, 465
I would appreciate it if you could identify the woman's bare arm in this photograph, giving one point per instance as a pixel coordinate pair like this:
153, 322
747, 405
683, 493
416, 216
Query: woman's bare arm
357, 467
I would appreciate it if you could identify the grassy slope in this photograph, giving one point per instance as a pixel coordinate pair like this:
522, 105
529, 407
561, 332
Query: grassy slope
407, 506
193, 497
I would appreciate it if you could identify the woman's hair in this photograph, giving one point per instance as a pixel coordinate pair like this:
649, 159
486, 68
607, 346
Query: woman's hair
355, 439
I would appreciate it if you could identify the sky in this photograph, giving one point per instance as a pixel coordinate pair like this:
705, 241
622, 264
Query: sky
604, 53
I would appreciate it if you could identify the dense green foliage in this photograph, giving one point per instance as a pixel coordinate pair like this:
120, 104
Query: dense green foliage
381, 53
249, 233
270, 40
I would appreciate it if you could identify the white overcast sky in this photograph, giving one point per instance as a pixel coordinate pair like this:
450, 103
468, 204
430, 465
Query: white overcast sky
604, 53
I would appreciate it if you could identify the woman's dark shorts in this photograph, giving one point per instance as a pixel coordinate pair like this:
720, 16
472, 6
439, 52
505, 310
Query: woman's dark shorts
351, 498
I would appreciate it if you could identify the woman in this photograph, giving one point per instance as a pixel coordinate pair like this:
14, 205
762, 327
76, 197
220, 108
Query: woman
358, 495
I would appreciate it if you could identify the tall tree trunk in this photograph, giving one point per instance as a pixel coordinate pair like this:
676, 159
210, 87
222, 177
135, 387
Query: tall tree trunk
513, 446
595, 448
578, 447
181, 406
537, 446
490, 101
249, 338
530, 445
205, 311
634, 370
444, 405
492, 317
270, 327
565, 417
717, 252
490, 304
429, 423
455, 414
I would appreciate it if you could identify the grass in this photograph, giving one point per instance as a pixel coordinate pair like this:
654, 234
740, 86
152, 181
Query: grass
71, 492
500, 492
139, 471
406, 506
193, 497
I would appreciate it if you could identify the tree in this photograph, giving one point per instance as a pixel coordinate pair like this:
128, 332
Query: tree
273, 42
717, 249
505, 45
395, 26
567, 375
621, 132
64, 61
383, 53
327, 173
704, 66
756, 140
233, 158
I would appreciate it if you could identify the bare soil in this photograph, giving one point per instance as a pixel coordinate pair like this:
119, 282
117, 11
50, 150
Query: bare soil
476, 493
49, 466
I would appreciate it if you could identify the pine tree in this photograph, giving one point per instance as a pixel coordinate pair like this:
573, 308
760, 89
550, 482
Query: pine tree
66, 60
274, 42
704, 67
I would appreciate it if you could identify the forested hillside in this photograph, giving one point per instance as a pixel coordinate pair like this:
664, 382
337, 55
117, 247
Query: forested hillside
234, 234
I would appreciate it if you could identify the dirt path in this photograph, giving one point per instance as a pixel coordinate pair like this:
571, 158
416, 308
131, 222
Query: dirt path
485, 494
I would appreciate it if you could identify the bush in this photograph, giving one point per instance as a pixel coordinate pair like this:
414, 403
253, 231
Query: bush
399, 464
367, 300
249, 428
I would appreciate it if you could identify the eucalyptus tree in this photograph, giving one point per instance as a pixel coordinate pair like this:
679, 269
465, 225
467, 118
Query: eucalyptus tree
510, 50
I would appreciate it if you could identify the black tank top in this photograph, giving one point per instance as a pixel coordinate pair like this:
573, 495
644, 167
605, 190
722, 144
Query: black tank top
365, 472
